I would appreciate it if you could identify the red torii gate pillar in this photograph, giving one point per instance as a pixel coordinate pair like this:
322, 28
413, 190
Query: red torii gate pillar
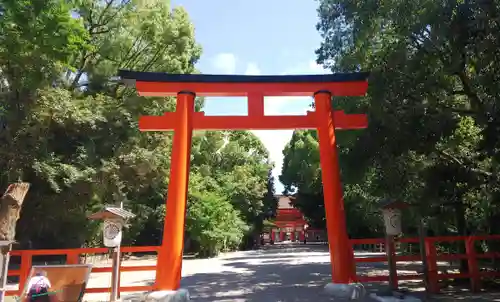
341, 253
169, 262
184, 120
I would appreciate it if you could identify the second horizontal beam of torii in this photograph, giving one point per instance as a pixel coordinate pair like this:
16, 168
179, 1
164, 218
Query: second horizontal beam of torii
201, 121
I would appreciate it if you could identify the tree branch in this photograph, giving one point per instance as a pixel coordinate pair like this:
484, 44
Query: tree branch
468, 91
459, 162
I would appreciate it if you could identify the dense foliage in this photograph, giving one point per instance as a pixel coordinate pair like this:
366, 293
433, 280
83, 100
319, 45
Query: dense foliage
433, 135
70, 129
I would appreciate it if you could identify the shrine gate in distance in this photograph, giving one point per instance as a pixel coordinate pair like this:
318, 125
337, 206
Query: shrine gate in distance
290, 225
184, 120
289, 222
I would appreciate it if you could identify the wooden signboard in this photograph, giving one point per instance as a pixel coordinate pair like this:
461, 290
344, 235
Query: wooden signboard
68, 282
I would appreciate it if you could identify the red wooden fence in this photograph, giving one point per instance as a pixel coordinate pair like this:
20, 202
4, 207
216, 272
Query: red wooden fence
73, 257
475, 274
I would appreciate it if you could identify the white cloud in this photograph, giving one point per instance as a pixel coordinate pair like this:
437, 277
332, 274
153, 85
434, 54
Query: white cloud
225, 63
310, 67
315, 67
252, 69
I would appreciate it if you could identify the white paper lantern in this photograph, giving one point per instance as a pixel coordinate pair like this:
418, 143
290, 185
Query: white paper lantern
392, 221
112, 233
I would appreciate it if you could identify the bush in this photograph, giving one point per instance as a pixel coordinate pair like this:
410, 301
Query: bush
214, 223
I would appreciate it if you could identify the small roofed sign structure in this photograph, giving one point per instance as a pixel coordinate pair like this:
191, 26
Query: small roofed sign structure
391, 210
115, 219
392, 204
111, 213
185, 120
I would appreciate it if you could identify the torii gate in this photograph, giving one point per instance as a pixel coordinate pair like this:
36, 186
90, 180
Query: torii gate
324, 119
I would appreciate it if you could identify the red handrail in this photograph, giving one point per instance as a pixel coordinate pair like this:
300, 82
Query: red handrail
434, 277
73, 257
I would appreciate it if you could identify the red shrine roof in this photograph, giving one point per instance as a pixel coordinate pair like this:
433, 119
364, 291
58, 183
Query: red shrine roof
287, 215
284, 202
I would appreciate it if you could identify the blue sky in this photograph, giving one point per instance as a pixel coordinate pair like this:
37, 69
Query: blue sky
257, 37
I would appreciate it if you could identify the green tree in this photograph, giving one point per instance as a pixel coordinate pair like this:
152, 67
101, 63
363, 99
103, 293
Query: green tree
70, 128
78, 142
431, 139
301, 174
214, 223
235, 165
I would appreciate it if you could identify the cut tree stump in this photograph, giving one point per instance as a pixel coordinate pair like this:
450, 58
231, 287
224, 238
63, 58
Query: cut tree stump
10, 208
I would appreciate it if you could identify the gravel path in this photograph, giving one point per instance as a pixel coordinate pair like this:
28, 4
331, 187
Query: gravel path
295, 274
277, 274
281, 273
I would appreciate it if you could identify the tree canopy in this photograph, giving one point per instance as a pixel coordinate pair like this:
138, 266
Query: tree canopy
70, 128
433, 132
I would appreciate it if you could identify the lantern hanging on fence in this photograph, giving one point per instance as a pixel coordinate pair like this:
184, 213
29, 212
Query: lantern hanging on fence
392, 221
391, 211
114, 219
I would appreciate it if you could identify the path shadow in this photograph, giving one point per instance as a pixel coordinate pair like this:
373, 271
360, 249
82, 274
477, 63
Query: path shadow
283, 274
260, 283
264, 282
276, 279
280, 275
464, 295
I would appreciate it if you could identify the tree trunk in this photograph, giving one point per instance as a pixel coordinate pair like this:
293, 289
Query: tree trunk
10, 209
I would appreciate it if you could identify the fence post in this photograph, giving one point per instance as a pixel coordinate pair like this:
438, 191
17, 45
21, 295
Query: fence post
390, 250
475, 278
423, 254
26, 262
432, 268
73, 258
4, 263
119, 276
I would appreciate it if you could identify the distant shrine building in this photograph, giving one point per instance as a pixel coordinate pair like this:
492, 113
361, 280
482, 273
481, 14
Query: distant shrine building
290, 225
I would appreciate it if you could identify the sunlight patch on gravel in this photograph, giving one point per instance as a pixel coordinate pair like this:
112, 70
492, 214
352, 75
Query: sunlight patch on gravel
231, 293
